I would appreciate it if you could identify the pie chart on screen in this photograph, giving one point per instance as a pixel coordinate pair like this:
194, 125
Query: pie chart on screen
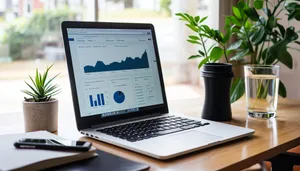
119, 97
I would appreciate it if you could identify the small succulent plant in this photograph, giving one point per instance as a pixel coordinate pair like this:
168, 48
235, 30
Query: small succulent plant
42, 88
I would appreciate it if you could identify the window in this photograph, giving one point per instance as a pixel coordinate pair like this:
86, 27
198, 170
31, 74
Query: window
30, 38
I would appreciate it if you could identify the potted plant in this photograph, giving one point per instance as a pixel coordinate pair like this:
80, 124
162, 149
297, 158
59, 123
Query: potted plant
41, 109
261, 39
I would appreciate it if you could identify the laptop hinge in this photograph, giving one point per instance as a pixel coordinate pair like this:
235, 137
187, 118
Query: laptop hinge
125, 120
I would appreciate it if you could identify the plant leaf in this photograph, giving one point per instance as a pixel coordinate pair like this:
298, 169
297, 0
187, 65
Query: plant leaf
216, 54
197, 18
251, 13
194, 42
279, 49
194, 37
36, 92
258, 36
236, 12
240, 55
201, 53
235, 45
272, 22
203, 19
194, 28
234, 20
194, 56
237, 89
258, 4
281, 29
48, 82
204, 61
183, 17
282, 90
240, 5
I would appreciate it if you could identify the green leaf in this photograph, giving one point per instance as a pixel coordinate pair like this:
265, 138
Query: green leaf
258, 36
197, 18
194, 42
258, 4
237, 89
204, 61
240, 55
290, 35
203, 19
241, 5
235, 45
183, 17
234, 21
194, 28
194, 56
251, 13
281, 29
282, 90
192, 21
248, 25
194, 37
291, 6
272, 22
35, 92
201, 53
279, 51
216, 54
219, 36
48, 82
46, 73
29, 93
236, 12
207, 29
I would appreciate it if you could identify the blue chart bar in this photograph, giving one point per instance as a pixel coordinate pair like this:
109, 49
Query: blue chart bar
97, 102
98, 98
102, 98
91, 101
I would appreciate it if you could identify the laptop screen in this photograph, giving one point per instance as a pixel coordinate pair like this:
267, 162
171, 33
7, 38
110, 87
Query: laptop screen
115, 70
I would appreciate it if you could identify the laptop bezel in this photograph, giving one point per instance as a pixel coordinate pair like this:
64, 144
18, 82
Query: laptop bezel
89, 121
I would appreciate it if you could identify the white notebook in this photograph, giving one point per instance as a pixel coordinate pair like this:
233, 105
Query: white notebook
12, 158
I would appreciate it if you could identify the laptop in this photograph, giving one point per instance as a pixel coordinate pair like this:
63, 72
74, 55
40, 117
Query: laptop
119, 95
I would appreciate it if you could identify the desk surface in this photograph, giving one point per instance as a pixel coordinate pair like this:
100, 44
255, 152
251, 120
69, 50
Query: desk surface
271, 137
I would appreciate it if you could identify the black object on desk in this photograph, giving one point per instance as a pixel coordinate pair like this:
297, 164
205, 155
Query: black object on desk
104, 161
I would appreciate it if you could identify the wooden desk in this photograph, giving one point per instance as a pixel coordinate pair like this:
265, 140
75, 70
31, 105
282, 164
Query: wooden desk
271, 137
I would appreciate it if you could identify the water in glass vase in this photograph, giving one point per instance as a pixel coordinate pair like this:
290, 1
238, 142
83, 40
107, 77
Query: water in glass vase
262, 95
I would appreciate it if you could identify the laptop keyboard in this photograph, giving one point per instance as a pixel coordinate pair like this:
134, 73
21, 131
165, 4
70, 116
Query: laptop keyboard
151, 128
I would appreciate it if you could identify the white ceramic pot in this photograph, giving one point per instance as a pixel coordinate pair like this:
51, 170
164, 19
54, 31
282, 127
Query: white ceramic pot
40, 115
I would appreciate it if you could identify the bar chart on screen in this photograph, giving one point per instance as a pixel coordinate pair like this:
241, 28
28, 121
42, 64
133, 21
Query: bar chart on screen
97, 100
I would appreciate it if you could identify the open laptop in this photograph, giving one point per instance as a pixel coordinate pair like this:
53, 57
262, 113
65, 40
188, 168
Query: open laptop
119, 94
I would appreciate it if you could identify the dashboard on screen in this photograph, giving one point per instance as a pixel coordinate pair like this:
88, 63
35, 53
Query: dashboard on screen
115, 70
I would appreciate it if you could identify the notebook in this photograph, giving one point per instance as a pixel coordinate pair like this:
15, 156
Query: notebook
32, 159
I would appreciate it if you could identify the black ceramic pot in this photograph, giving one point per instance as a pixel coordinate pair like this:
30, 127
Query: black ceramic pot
217, 80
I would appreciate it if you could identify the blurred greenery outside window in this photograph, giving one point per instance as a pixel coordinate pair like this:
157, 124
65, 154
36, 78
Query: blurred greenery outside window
27, 36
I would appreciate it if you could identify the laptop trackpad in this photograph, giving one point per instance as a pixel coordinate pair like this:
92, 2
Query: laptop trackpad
180, 142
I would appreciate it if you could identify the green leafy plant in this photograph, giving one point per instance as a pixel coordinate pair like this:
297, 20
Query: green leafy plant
42, 88
261, 39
